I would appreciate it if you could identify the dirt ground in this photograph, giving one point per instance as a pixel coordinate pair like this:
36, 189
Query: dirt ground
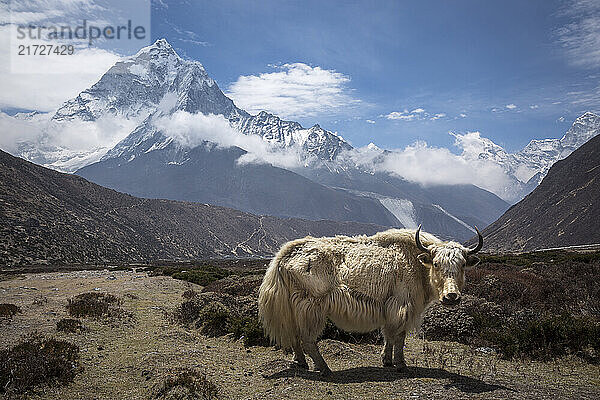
128, 358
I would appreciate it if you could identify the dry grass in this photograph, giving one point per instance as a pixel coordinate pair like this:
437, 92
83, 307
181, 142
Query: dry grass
69, 325
133, 360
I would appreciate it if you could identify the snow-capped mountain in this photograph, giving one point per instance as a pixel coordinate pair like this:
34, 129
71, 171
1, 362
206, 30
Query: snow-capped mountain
157, 83
563, 210
149, 162
531, 164
155, 78
315, 141
539, 155
158, 80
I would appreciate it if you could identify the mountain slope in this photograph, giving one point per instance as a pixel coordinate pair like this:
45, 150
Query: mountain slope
563, 210
449, 211
209, 174
47, 216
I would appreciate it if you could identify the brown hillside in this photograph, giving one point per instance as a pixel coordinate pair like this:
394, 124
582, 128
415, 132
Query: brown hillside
563, 210
50, 217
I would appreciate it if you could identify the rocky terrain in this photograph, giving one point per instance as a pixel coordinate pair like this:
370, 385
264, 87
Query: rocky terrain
144, 352
47, 217
563, 210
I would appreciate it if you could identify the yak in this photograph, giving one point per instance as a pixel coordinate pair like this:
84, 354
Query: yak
361, 284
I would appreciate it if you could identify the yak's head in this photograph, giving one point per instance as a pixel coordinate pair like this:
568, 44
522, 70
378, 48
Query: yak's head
447, 262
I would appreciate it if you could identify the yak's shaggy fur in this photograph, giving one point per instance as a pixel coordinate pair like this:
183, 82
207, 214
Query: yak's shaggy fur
360, 283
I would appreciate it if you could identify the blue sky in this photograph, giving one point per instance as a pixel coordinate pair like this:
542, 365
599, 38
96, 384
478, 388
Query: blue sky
513, 70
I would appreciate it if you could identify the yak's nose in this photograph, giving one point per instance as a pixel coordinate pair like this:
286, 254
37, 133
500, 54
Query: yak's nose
451, 298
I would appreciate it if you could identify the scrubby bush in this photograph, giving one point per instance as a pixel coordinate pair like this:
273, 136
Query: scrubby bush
7, 311
249, 329
546, 337
188, 384
460, 323
547, 257
95, 305
547, 281
217, 315
213, 319
69, 325
188, 311
236, 285
537, 305
189, 294
37, 360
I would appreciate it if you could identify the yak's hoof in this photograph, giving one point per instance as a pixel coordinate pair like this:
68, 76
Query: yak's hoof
300, 364
324, 371
401, 367
388, 365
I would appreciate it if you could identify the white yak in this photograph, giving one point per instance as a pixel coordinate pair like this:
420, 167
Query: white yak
361, 284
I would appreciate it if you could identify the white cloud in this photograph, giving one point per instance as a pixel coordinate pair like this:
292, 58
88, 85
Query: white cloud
427, 165
294, 90
580, 38
561, 119
15, 130
67, 145
401, 115
534, 106
44, 83
418, 114
191, 130
370, 121
511, 106
46, 92
463, 115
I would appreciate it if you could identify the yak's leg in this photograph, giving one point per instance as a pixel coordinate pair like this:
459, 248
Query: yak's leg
399, 351
299, 355
395, 331
313, 351
311, 321
388, 346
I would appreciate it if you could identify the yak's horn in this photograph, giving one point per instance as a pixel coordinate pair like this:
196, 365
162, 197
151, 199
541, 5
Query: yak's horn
479, 245
418, 241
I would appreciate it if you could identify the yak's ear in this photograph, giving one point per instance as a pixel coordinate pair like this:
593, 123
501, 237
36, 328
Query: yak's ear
472, 261
425, 259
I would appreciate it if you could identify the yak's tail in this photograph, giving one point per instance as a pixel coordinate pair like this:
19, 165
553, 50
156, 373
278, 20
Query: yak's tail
275, 307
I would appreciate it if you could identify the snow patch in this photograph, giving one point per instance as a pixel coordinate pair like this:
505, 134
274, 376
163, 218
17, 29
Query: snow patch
463, 223
139, 70
160, 145
402, 209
